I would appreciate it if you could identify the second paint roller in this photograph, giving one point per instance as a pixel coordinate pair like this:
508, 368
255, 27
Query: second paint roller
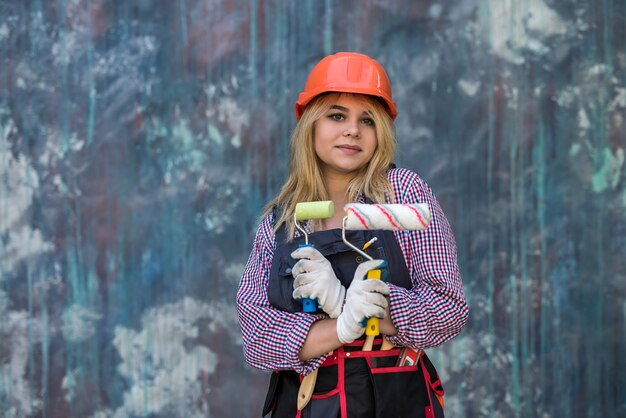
394, 217
360, 217
306, 211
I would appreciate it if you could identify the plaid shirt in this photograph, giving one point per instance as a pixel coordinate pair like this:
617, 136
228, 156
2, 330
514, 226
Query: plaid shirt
429, 314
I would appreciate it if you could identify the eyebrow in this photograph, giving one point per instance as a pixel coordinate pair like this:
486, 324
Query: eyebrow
345, 109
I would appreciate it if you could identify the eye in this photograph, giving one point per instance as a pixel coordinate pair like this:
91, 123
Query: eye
368, 122
336, 116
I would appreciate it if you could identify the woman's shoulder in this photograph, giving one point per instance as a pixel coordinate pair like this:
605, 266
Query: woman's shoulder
402, 179
401, 172
266, 226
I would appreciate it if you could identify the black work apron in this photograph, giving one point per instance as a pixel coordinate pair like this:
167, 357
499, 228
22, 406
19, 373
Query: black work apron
351, 383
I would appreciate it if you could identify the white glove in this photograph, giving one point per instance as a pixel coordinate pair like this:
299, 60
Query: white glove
365, 298
315, 279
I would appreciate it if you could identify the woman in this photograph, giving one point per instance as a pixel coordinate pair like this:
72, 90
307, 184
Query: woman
343, 149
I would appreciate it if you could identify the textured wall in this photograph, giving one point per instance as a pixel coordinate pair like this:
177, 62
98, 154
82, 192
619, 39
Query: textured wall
140, 139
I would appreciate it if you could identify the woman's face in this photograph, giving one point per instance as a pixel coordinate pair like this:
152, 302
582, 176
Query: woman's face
345, 137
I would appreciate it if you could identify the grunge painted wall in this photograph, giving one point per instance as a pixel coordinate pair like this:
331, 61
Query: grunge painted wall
139, 141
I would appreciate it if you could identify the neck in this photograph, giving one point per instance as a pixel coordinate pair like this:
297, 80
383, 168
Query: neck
336, 187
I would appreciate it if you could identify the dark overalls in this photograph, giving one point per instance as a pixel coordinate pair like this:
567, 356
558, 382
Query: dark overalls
351, 382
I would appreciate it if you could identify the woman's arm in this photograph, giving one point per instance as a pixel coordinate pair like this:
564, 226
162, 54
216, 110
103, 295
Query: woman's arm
272, 339
434, 310
322, 338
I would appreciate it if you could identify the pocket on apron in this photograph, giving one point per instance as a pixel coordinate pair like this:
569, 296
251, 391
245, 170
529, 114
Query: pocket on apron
282, 394
323, 406
402, 391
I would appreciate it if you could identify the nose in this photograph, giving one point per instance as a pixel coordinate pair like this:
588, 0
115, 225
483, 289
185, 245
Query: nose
353, 132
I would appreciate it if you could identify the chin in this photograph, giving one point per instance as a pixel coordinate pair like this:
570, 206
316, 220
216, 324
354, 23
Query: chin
350, 170
347, 169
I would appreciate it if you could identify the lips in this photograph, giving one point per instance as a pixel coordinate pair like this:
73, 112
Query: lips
353, 148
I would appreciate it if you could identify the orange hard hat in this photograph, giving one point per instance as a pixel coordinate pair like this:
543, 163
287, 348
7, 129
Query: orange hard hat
347, 72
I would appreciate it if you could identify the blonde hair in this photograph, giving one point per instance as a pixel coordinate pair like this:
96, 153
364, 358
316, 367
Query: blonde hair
305, 182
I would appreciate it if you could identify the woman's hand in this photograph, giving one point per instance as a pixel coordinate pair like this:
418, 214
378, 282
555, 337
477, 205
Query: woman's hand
365, 298
315, 279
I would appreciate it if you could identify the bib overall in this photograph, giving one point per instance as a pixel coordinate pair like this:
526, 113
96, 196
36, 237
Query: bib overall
351, 382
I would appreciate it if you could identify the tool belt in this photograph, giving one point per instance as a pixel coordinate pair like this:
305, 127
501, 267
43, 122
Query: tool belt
354, 383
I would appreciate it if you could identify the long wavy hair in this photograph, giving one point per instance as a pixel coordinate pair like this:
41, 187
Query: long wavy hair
305, 182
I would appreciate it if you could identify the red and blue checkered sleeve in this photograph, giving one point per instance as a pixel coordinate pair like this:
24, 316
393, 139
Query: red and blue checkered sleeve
434, 310
272, 338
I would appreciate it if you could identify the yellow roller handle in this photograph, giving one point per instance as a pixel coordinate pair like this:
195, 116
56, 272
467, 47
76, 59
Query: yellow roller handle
372, 324
371, 328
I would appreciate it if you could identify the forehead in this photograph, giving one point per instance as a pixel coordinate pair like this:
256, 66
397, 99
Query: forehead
353, 102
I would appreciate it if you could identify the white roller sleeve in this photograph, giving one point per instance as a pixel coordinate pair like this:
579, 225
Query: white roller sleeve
388, 217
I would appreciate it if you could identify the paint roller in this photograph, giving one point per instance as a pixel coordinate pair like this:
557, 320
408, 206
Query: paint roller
309, 211
394, 217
